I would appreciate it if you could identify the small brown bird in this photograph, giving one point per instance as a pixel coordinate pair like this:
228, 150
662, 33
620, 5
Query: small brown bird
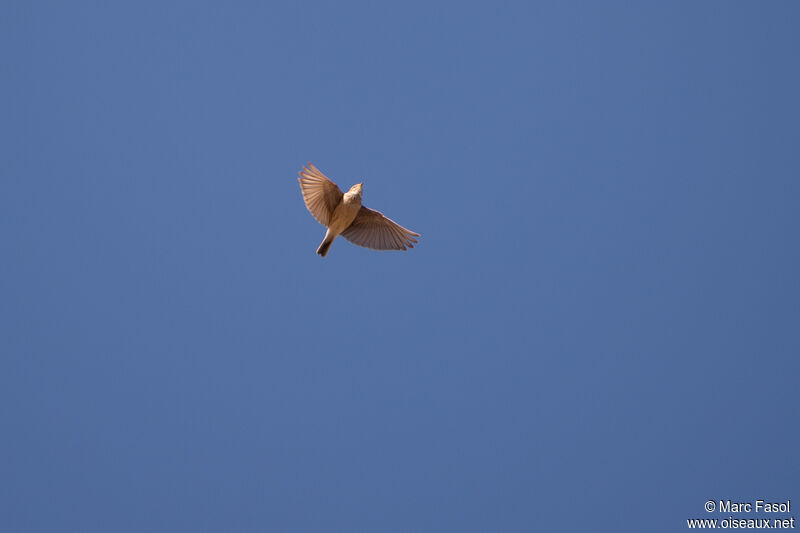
344, 215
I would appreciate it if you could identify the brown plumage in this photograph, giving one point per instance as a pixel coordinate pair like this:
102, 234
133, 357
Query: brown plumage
344, 215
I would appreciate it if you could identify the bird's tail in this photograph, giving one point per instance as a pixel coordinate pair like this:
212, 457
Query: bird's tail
326, 244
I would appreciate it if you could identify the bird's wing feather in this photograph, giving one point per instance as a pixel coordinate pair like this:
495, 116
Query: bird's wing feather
320, 194
372, 229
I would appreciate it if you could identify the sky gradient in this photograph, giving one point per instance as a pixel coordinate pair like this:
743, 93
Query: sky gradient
598, 331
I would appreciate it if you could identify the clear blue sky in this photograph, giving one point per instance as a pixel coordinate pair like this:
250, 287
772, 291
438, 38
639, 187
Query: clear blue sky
599, 329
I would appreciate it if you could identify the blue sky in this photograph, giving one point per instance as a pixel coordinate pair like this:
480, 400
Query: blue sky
599, 329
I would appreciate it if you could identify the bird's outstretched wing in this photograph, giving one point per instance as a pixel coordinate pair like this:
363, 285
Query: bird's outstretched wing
371, 229
320, 194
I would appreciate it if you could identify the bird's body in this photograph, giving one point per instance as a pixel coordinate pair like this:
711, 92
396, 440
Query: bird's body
344, 215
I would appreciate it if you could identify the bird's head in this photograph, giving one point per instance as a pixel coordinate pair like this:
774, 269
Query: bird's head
356, 189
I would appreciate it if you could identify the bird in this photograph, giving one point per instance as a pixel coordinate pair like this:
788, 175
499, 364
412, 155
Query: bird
344, 215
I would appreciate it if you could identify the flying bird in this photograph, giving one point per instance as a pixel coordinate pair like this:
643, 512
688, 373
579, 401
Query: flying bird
344, 215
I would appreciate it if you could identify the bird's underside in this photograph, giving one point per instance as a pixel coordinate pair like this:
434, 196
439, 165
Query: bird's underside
343, 214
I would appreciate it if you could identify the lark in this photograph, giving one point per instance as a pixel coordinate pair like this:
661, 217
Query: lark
344, 215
